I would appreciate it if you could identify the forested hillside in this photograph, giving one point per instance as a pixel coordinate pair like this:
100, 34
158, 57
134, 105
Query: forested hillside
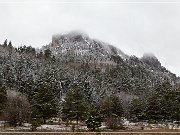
95, 76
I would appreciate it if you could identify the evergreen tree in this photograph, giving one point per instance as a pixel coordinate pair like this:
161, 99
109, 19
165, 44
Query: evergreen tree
136, 110
74, 105
112, 106
40, 55
127, 84
112, 111
175, 105
94, 120
5, 43
159, 102
106, 107
153, 112
10, 45
117, 108
44, 104
3, 97
47, 53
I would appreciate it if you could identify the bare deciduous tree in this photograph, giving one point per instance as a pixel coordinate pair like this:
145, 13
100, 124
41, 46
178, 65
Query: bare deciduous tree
17, 109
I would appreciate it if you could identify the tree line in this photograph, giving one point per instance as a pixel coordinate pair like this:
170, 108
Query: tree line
162, 105
16, 109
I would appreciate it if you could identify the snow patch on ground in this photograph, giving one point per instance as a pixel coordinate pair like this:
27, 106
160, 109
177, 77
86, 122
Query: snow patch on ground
53, 127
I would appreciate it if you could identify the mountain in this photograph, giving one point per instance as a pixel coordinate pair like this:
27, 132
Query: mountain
78, 46
74, 58
124, 74
75, 69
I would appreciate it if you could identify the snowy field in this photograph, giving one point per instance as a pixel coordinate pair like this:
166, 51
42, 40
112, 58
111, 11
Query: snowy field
139, 126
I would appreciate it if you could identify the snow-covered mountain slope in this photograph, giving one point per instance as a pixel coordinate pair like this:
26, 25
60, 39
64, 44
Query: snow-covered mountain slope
71, 58
78, 46
77, 49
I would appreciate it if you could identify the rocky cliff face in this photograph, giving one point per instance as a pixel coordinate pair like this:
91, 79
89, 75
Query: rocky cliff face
81, 47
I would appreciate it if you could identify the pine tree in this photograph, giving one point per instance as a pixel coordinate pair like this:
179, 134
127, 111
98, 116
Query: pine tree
10, 45
74, 105
47, 53
40, 55
112, 106
153, 112
45, 104
158, 103
5, 43
174, 105
136, 110
94, 120
106, 107
112, 111
3, 97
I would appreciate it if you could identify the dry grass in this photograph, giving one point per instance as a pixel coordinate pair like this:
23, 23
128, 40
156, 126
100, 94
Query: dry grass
155, 132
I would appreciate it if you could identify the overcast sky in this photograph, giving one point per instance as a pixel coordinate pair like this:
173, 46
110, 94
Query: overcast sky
135, 27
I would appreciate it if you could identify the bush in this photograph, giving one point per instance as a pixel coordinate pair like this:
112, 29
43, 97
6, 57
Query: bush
17, 110
114, 123
35, 123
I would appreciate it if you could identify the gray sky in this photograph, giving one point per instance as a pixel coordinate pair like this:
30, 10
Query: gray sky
135, 27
